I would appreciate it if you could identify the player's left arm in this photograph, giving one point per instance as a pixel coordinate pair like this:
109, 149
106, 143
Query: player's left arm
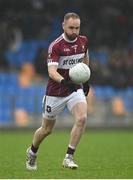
86, 85
86, 58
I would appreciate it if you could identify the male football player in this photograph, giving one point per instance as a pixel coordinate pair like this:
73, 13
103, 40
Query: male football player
63, 53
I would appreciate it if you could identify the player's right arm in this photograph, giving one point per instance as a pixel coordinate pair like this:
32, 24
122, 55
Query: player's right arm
53, 61
53, 74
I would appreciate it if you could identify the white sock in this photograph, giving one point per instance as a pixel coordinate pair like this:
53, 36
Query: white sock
68, 156
32, 153
72, 147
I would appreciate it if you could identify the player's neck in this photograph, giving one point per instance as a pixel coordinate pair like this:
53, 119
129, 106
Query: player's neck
68, 40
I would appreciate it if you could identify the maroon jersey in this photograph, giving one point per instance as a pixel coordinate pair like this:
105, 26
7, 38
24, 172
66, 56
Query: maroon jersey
65, 54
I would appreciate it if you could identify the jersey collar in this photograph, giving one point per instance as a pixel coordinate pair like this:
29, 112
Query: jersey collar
68, 39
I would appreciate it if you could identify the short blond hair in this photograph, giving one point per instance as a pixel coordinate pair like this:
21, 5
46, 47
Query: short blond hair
71, 15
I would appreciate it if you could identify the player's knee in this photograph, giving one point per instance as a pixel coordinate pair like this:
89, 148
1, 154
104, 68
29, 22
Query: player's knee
46, 132
81, 121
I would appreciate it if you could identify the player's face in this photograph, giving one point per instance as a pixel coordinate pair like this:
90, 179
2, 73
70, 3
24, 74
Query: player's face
71, 28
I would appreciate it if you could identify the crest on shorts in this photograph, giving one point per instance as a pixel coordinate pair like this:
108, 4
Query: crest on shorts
48, 109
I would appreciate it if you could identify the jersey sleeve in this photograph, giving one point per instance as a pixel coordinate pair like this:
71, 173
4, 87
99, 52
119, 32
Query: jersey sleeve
53, 55
87, 45
86, 48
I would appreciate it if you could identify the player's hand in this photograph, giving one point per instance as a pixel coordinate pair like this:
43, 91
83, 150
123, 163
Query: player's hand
86, 88
70, 84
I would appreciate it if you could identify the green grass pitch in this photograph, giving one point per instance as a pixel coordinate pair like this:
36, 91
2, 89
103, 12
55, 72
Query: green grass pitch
100, 154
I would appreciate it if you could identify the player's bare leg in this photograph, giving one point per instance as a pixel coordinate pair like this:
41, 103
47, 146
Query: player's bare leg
79, 112
39, 136
43, 132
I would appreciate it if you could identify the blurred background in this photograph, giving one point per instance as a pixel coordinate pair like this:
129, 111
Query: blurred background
27, 28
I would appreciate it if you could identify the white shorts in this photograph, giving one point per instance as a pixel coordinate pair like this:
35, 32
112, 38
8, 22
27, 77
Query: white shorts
52, 105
